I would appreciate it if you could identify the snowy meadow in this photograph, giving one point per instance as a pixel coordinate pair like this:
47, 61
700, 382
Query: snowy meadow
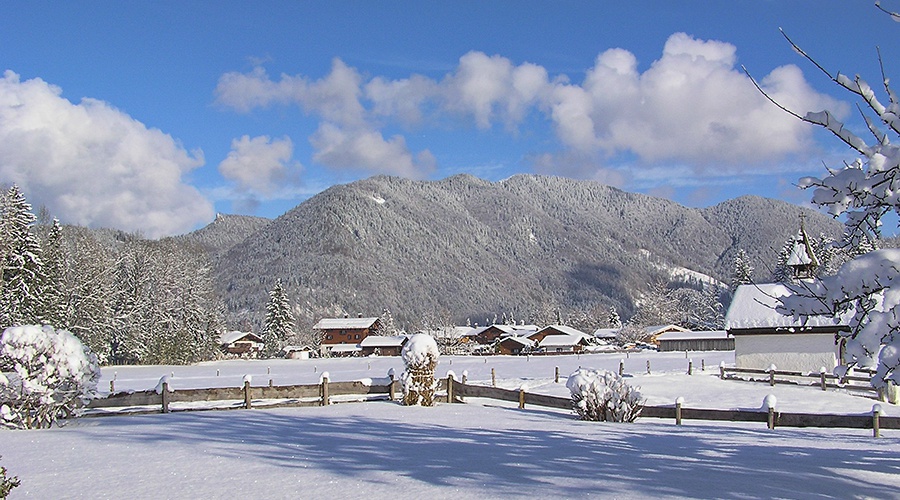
482, 449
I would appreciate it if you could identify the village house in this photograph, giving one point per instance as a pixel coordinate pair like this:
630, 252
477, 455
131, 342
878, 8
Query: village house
652, 333
514, 345
382, 345
562, 344
342, 336
243, 344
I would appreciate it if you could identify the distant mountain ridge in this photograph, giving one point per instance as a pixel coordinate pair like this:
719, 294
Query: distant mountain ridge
463, 247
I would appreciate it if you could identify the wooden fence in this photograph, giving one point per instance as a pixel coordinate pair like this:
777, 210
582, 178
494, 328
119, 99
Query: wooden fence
458, 391
245, 396
821, 379
448, 390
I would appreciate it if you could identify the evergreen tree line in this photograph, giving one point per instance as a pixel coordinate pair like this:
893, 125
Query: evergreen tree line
130, 300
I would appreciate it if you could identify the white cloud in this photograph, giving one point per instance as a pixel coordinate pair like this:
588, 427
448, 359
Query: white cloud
692, 107
261, 165
365, 149
92, 164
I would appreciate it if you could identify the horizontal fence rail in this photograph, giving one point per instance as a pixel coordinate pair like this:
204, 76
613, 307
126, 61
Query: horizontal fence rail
449, 390
782, 419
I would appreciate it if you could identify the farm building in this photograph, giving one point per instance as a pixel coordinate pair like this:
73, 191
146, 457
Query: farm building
344, 331
763, 336
562, 344
244, 344
514, 345
607, 335
715, 340
555, 330
383, 346
651, 333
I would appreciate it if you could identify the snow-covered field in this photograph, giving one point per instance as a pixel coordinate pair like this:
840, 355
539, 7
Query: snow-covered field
484, 449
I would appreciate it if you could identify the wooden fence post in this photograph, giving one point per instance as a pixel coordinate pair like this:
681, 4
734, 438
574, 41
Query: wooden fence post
324, 390
521, 399
247, 403
690, 367
722, 370
165, 397
702, 365
876, 425
621, 367
493, 378
678, 402
772, 375
391, 386
822, 377
450, 388
556, 377
648, 367
112, 386
769, 402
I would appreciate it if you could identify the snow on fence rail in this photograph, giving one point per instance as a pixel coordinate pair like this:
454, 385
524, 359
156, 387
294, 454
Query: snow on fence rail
449, 389
821, 379
457, 391
245, 396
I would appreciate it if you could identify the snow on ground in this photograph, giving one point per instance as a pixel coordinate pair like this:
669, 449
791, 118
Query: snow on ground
484, 449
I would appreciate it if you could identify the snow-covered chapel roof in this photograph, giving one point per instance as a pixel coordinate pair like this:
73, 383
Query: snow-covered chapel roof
754, 306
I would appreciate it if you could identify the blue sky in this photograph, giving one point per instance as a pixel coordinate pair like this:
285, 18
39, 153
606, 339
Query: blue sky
153, 116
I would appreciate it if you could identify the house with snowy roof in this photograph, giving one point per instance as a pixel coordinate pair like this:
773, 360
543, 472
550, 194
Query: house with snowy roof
652, 333
342, 336
710, 340
607, 335
555, 330
244, 344
383, 345
763, 336
515, 344
562, 344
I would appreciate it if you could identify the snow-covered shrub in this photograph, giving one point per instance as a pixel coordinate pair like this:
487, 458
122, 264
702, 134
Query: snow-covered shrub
7, 483
420, 355
602, 395
48, 374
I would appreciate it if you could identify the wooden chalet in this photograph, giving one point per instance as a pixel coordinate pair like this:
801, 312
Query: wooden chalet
244, 344
376, 345
344, 332
539, 335
562, 344
512, 345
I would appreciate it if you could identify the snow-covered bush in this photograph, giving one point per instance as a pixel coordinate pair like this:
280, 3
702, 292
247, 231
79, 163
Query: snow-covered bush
47, 374
604, 396
420, 355
7, 483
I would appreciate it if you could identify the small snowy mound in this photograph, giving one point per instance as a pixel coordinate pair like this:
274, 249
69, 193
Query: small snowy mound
601, 395
420, 355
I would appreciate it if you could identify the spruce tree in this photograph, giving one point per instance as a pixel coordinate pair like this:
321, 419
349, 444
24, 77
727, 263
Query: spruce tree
22, 273
743, 272
279, 324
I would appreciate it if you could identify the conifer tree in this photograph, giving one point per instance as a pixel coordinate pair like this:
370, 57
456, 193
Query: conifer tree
743, 271
22, 273
279, 325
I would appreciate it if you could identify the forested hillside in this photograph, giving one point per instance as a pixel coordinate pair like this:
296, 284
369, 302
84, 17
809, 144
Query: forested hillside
467, 249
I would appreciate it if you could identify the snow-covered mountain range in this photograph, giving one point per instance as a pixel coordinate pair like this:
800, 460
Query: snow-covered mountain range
465, 248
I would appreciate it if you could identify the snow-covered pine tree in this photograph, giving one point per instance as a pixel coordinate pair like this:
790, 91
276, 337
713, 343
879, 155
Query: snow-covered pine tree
863, 192
613, 320
742, 270
22, 272
279, 323
55, 262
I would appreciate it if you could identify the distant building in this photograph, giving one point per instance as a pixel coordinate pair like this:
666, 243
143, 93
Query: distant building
244, 344
383, 346
714, 340
344, 332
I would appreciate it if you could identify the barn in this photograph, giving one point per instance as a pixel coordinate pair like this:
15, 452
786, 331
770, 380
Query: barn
712, 340
344, 332
244, 344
